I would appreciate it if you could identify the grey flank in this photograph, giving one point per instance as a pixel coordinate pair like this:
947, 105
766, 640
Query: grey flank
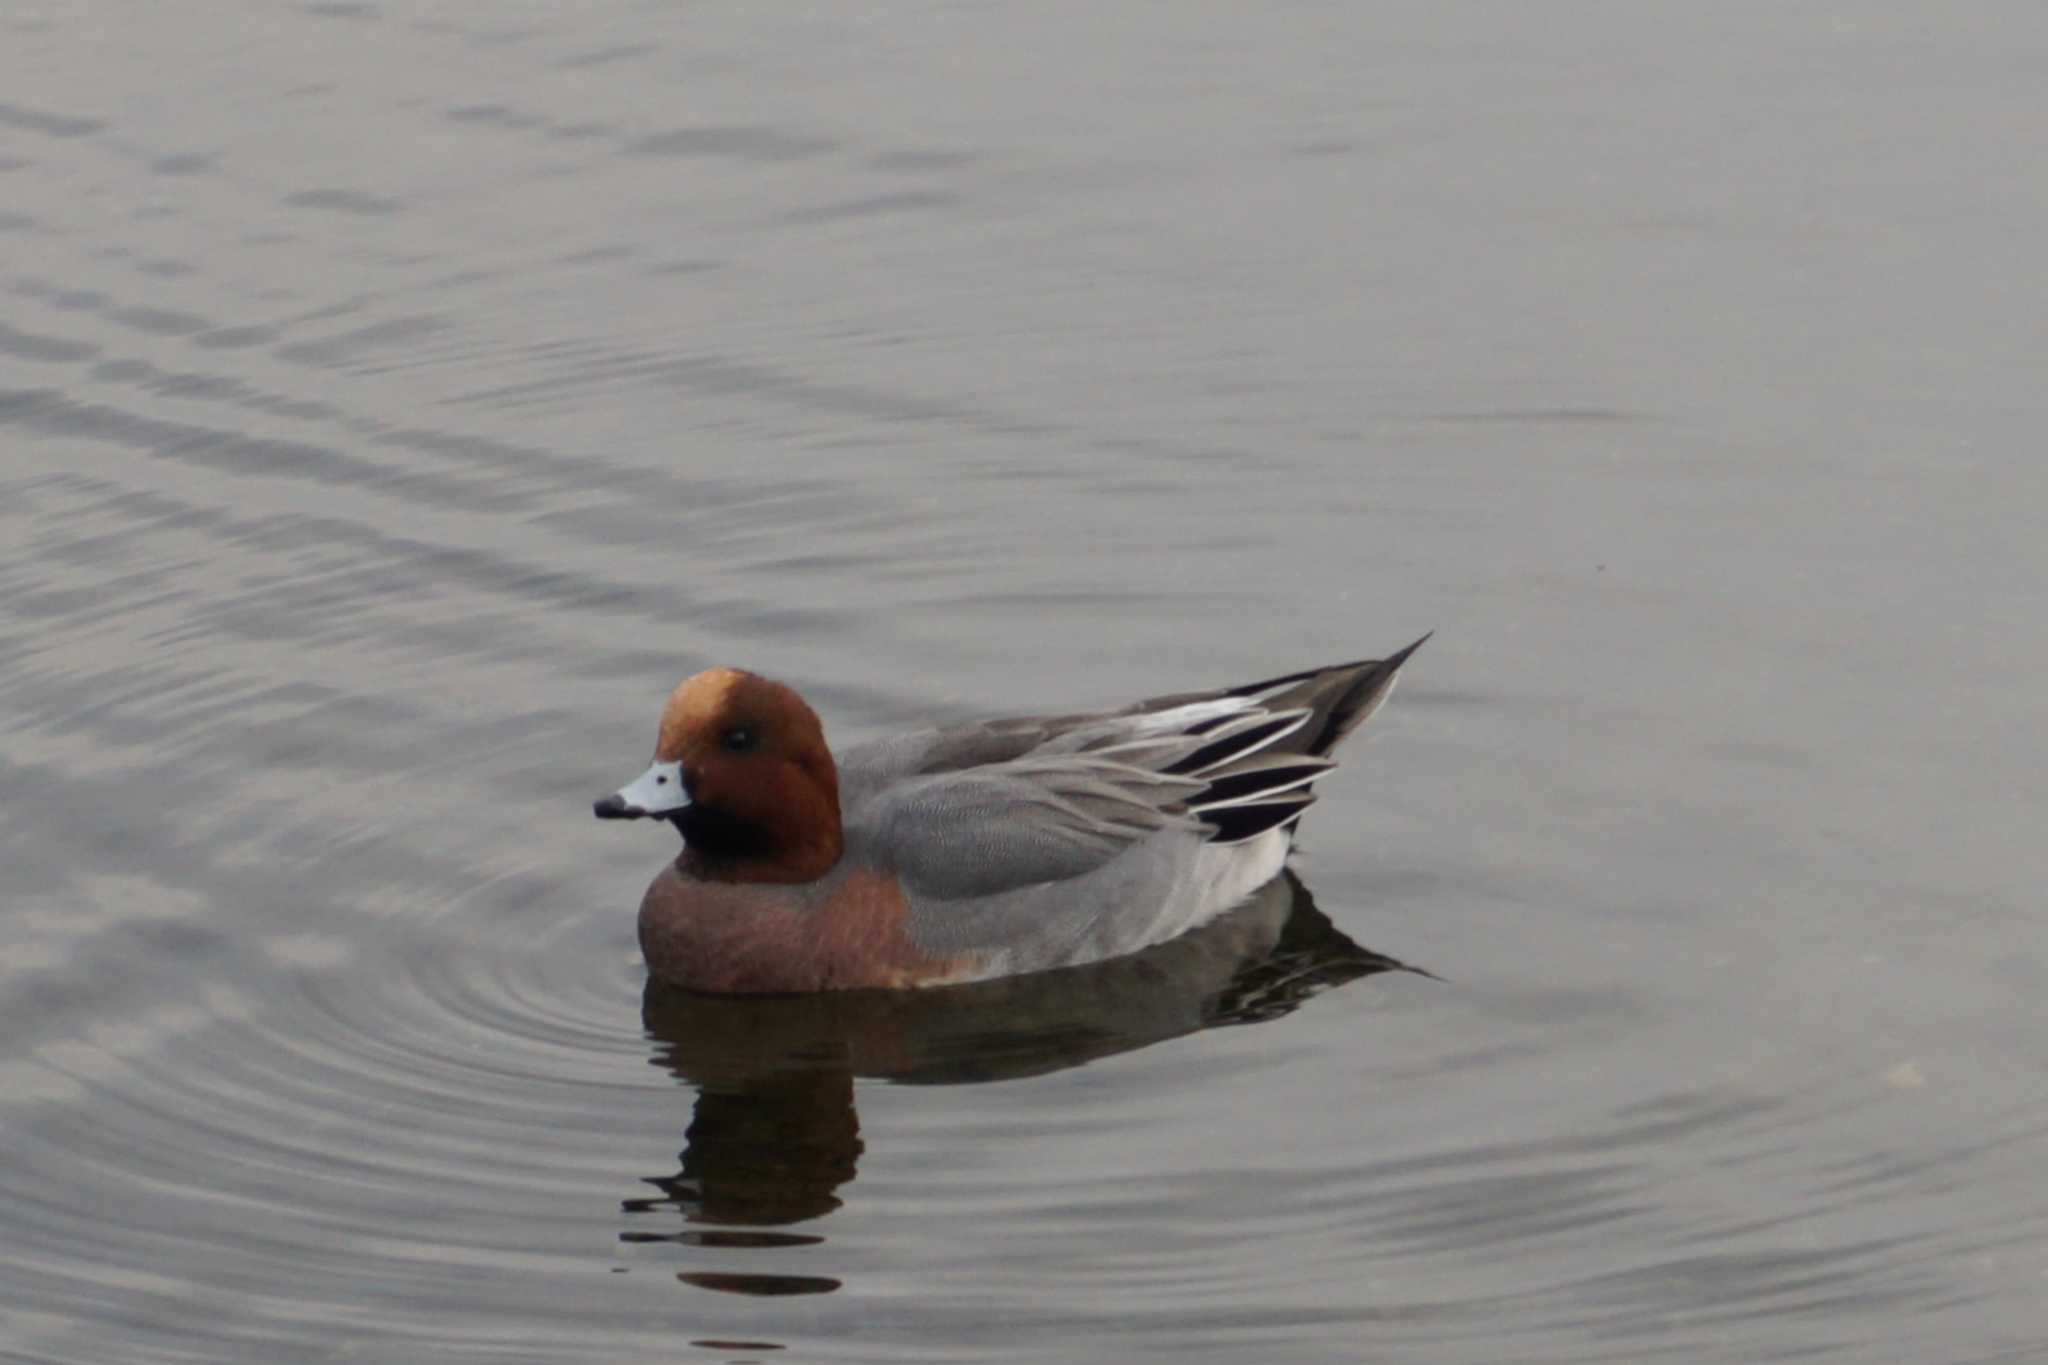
1052, 841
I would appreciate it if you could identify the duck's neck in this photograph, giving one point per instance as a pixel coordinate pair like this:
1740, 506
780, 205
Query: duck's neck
725, 847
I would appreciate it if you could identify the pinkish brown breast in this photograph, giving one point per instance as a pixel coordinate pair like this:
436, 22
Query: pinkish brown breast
844, 932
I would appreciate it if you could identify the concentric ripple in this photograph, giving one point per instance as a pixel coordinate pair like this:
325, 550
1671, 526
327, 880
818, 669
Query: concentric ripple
396, 400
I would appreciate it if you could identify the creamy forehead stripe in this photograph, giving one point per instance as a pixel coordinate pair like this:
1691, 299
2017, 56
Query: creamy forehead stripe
698, 702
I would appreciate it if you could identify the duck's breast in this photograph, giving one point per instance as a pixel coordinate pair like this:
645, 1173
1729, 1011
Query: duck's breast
848, 930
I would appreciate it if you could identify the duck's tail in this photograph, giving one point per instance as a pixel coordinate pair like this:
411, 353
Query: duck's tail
1340, 698
1259, 768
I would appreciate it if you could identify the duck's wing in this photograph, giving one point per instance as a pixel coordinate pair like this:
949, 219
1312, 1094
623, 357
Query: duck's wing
981, 809
1339, 699
994, 829
1084, 791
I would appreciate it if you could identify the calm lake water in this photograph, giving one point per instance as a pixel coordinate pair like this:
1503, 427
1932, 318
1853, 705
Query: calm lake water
395, 401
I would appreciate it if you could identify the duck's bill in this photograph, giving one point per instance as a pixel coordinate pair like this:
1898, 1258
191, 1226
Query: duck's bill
655, 793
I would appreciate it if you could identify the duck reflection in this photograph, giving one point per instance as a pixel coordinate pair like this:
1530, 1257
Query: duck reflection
775, 1136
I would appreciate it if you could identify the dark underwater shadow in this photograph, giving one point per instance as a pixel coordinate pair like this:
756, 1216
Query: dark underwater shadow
775, 1136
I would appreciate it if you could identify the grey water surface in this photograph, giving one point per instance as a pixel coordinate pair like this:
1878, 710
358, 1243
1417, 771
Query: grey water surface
396, 400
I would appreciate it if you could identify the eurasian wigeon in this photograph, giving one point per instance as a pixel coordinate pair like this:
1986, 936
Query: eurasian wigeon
976, 851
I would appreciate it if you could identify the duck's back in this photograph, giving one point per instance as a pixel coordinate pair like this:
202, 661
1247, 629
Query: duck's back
1035, 842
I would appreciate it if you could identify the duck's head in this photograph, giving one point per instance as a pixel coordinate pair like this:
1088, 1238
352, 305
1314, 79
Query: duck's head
741, 768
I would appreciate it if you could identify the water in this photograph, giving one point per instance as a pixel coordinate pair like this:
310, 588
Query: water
393, 407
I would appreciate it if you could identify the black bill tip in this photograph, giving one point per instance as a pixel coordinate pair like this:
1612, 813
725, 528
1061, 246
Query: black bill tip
614, 807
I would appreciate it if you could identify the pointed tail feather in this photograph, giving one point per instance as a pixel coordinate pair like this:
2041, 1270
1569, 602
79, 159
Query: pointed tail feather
1340, 698
1259, 771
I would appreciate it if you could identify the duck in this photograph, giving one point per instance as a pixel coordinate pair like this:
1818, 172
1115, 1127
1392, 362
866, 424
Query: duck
969, 852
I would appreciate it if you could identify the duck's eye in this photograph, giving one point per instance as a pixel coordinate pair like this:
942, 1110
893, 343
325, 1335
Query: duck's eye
739, 739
